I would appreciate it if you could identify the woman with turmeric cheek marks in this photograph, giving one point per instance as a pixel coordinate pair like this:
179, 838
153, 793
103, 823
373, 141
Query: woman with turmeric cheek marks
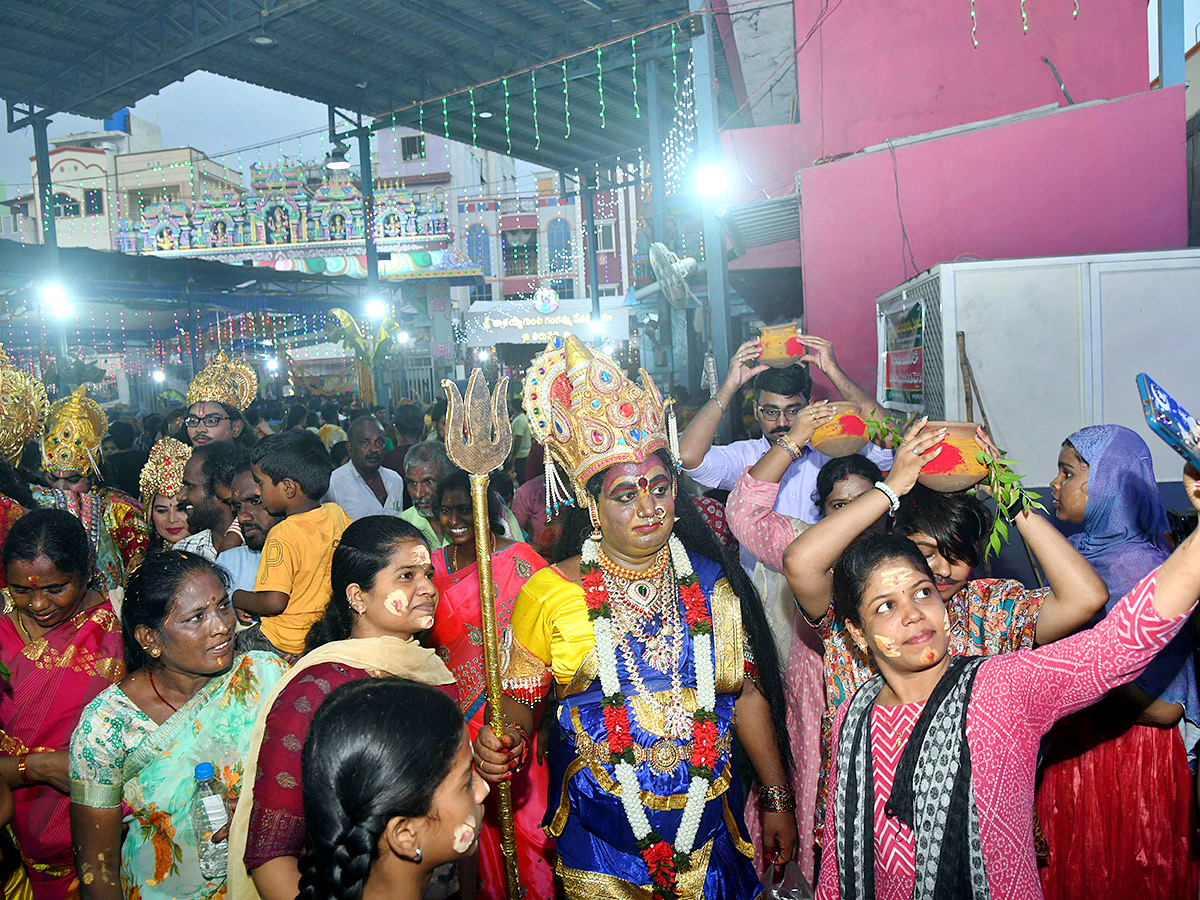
931, 787
382, 597
987, 616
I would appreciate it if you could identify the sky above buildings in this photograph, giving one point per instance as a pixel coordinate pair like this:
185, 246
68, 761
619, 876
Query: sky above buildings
241, 124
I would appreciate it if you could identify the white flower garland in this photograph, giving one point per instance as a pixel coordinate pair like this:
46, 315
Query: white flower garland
610, 684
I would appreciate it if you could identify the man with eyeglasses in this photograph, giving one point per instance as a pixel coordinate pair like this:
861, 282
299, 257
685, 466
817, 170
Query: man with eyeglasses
781, 401
363, 486
216, 398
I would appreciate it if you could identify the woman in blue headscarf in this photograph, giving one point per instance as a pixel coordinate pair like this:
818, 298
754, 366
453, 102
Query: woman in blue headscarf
1115, 800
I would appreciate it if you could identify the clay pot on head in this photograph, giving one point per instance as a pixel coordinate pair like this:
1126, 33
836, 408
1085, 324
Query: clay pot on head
781, 346
956, 467
844, 434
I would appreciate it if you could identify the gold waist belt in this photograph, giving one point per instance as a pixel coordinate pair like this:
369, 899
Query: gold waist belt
664, 755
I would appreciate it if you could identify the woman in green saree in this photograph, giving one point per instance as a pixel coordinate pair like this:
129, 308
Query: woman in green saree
188, 699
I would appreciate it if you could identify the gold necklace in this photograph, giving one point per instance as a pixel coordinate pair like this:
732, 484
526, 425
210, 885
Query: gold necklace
454, 554
616, 571
21, 622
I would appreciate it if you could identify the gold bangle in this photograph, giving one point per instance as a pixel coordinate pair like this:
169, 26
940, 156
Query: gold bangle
23, 767
788, 444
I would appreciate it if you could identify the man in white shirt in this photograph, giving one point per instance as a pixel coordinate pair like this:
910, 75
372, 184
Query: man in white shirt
245, 501
781, 395
363, 487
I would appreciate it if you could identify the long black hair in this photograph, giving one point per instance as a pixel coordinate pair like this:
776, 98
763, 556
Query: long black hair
957, 522
13, 486
150, 592
698, 537
55, 534
376, 749
364, 550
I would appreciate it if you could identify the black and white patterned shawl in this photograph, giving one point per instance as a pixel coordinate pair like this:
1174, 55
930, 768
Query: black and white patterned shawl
931, 794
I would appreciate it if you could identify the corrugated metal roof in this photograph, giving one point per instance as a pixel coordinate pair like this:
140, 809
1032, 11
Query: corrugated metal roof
374, 57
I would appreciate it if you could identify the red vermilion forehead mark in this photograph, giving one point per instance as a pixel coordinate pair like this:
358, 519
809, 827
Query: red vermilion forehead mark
33, 579
650, 468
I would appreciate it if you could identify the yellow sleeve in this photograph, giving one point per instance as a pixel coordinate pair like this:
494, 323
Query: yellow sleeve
550, 620
279, 564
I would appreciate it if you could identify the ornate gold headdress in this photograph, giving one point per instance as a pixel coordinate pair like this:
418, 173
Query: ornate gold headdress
224, 380
163, 471
74, 430
590, 416
23, 407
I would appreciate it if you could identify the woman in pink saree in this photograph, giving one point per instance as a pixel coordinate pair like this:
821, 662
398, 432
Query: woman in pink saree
62, 644
457, 636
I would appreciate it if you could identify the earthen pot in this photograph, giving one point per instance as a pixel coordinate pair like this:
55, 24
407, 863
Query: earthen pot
781, 346
844, 434
956, 468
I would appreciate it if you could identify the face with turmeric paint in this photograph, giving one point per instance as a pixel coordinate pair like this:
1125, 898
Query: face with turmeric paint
402, 601
451, 828
904, 621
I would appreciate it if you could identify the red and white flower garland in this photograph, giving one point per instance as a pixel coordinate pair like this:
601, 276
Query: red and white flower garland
662, 859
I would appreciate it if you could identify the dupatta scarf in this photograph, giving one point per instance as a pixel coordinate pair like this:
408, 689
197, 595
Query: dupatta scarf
52, 679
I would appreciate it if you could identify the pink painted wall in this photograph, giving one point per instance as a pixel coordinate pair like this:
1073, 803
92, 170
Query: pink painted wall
1099, 179
762, 164
874, 71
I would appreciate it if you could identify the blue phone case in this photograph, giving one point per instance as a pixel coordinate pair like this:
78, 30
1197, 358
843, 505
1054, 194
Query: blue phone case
1170, 421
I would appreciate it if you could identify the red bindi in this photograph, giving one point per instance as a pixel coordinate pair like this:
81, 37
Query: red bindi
643, 484
33, 579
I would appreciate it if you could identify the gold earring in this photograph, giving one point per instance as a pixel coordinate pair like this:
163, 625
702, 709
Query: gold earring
154, 651
8, 602
594, 515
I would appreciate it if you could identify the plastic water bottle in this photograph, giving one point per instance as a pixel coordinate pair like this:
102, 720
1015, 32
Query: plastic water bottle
209, 815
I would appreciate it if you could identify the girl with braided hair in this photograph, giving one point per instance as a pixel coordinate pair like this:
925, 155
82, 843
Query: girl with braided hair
390, 793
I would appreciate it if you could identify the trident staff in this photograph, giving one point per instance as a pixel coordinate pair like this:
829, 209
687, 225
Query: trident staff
478, 440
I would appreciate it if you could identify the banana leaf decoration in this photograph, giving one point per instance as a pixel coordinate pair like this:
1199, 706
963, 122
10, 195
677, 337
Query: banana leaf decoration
367, 354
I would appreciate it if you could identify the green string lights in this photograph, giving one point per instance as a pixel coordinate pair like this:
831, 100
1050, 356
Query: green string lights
566, 99
1024, 17
421, 128
471, 93
507, 130
537, 134
637, 110
974, 25
445, 121
600, 84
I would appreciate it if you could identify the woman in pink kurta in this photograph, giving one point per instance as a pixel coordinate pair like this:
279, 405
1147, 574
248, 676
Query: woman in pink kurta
886, 592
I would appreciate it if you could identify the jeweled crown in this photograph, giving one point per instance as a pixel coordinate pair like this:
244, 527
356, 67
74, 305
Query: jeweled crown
590, 416
163, 471
74, 430
224, 380
23, 407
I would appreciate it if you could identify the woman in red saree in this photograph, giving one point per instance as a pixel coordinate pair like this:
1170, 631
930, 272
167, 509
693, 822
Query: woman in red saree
62, 645
457, 636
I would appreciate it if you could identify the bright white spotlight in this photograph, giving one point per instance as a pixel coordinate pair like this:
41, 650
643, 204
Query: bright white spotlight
402, 337
56, 302
159, 375
376, 309
595, 326
272, 365
483, 356
610, 349
710, 180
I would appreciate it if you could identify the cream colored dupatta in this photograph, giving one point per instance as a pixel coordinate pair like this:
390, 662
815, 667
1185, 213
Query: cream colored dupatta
390, 655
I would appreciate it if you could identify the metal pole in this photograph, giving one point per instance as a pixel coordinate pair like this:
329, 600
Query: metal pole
368, 194
41, 152
707, 136
658, 181
1170, 43
587, 195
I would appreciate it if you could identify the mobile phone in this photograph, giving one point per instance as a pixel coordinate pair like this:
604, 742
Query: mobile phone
1169, 420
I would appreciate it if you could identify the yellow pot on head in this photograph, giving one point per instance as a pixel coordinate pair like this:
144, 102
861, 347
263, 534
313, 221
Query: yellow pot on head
844, 434
781, 345
956, 468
